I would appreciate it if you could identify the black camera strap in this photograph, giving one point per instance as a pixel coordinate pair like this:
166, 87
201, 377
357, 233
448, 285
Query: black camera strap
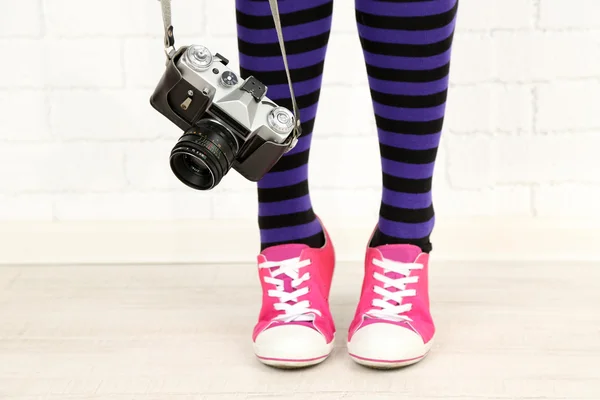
169, 42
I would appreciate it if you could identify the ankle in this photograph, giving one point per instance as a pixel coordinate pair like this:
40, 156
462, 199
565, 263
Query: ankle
298, 228
315, 241
381, 239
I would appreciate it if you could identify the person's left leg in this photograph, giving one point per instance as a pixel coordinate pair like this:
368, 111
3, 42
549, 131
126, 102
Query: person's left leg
407, 50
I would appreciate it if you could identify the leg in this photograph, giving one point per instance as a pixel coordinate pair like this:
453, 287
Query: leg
407, 50
295, 327
285, 209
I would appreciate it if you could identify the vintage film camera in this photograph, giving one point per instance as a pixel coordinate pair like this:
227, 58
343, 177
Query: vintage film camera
227, 122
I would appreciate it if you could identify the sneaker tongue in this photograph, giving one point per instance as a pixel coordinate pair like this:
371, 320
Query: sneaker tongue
406, 253
283, 252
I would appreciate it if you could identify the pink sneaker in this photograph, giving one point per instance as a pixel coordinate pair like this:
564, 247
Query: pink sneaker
392, 326
295, 327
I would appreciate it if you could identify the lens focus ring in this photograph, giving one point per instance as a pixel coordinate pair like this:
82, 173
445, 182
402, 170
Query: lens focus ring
204, 155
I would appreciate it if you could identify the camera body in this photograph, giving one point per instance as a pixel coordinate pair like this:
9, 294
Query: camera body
227, 122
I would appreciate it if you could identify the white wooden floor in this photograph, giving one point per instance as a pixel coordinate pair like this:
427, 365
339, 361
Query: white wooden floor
183, 332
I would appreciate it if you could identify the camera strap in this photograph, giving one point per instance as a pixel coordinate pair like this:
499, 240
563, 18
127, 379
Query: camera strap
169, 42
277, 20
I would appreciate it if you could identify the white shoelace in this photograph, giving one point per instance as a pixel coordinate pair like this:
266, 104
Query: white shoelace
385, 309
298, 310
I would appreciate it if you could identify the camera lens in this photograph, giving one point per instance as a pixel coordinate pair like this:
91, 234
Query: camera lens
204, 155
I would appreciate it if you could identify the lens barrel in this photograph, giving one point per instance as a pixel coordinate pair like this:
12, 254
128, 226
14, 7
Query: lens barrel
204, 155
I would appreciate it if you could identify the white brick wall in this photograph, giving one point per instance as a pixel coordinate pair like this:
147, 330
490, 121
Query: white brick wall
79, 140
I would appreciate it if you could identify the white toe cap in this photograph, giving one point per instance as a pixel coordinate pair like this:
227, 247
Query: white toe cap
387, 343
291, 342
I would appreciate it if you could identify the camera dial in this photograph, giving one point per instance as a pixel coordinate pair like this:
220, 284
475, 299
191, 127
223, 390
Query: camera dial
198, 57
228, 79
281, 120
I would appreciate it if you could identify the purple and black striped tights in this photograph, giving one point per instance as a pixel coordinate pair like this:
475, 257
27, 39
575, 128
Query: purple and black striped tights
407, 50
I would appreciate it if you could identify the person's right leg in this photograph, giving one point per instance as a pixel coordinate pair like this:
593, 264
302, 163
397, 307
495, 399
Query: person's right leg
296, 263
285, 208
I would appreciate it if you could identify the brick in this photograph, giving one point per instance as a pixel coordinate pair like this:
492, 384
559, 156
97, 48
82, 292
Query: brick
344, 63
493, 107
220, 18
568, 106
569, 157
480, 161
572, 14
234, 198
25, 19
343, 203
144, 61
107, 115
501, 201
25, 167
357, 117
349, 162
116, 18
513, 109
134, 206
96, 63
109, 17
469, 161
344, 20
26, 208
88, 167
495, 14
24, 115
21, 74
238, 204
59, 167
536, 56
567, 200
147, 165
469, 109
473, 58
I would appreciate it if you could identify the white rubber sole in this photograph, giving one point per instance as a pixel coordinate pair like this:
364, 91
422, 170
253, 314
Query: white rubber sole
386, 364
381, 363
291, 346
293, 364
